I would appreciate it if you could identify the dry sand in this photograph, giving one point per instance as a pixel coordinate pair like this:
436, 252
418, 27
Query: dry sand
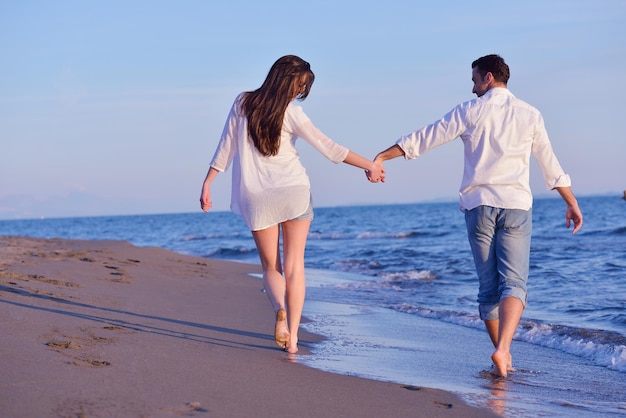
107, 329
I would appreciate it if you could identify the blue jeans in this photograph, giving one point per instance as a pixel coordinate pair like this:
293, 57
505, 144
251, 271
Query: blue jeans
500, 242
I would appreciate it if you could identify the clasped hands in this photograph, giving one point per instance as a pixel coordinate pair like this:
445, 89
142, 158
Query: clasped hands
376, 172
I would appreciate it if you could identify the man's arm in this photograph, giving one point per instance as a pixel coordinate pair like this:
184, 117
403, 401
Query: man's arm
572, 213
390, 153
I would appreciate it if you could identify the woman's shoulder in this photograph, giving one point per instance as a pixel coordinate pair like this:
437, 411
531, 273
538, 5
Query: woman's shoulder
240, 98
238, 103
295, 112
294, 118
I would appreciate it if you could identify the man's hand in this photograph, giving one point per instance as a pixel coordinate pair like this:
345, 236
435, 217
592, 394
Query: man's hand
575, 216
572, 213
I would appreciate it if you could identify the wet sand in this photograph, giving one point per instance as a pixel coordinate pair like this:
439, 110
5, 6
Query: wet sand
387, 345
104, 328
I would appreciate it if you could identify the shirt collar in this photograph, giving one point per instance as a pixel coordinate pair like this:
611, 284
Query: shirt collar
498, 91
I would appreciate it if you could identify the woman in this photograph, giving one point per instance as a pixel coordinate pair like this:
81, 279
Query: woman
270, 187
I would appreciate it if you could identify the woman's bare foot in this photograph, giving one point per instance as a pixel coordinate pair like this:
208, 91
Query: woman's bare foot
502, 363
293, 346
281, 330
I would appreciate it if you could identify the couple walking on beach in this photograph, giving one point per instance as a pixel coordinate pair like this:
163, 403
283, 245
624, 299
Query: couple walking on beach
271, 191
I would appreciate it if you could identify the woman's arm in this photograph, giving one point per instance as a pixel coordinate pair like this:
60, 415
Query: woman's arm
205, 196
373, 170
304, 128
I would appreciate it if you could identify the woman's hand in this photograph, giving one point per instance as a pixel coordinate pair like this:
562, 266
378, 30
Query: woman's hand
205, 195
376, 172
205, 198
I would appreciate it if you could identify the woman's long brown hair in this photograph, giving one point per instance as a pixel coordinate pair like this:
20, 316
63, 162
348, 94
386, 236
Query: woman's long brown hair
289, 78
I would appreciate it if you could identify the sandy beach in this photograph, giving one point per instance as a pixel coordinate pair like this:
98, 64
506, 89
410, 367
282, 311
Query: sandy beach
107, 329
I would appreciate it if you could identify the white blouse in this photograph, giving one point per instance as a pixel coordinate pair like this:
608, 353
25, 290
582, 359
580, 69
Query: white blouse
269, 190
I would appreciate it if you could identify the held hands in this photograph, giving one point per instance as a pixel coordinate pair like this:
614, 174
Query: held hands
376, 172
390, 153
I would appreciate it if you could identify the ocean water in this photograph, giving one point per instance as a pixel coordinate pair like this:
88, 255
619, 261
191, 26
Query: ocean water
411, 265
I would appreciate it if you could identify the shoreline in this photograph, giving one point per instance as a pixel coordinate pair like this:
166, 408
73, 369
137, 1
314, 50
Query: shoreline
105, 328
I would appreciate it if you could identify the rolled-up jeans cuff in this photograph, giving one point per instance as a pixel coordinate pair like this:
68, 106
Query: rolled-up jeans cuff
489, 312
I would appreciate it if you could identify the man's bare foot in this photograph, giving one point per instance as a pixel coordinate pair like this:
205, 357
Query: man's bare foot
509, 364
501, 362
281, 330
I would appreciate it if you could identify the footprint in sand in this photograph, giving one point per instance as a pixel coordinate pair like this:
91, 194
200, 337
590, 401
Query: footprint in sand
91, 362
80, 354
443, 405
119, 273
188, 410
114, 328
64, 344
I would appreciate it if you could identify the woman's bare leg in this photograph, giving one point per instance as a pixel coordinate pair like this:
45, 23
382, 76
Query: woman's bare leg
267, 243
294, 242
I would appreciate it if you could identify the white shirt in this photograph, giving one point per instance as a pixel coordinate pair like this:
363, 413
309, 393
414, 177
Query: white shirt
269, 190
499, 133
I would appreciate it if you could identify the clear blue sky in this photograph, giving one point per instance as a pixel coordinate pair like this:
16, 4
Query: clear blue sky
115, 107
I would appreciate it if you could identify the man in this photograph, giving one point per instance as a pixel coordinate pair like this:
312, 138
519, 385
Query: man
499, 133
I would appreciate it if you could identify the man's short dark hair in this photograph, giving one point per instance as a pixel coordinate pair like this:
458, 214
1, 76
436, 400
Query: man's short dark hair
495, 65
